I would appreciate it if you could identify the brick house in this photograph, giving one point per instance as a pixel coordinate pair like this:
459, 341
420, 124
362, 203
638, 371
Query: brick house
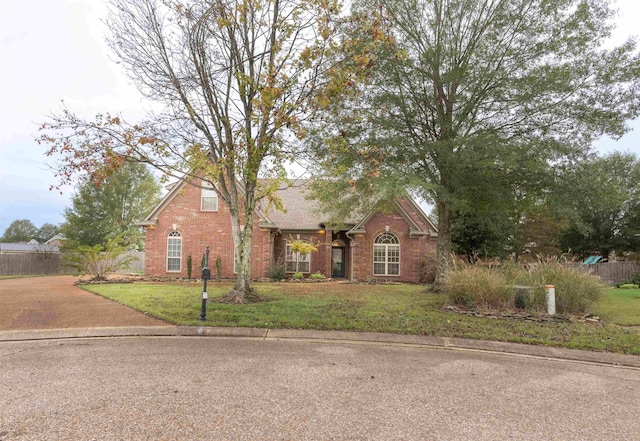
380, 245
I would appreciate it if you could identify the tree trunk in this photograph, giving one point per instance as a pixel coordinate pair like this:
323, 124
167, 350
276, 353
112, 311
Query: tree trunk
242, 291
443, 256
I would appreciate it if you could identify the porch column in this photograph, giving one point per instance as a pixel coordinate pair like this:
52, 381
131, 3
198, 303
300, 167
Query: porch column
328, 240
352, 251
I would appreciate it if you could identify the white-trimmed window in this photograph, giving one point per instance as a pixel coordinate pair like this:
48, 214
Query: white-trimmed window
174, 252
386, 255
208, 197
296, 262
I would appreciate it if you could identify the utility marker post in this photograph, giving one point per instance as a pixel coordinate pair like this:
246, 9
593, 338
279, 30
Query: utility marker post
551, 299
206, 275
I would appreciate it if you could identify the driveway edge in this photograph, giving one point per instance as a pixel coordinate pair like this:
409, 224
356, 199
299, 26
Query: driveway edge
448, 343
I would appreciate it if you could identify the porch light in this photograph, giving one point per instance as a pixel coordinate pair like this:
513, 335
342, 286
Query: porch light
321, 231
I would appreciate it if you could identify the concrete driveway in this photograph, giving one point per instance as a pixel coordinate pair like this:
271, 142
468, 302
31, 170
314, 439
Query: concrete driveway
54, 302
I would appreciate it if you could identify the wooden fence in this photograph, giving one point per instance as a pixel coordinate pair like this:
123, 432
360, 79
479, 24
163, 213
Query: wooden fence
136, 265
51, 263
612, 272
30, 263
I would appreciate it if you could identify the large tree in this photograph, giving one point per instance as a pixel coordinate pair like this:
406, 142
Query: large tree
21, 230
231, 77
448, 96
539, 231
484, 234
46, 232
102, 211
602, 201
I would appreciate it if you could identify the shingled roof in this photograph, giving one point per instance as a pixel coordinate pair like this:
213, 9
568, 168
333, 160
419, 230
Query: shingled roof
301, 213
27, 248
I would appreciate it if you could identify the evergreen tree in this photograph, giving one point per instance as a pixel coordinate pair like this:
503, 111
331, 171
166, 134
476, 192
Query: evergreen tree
101, 212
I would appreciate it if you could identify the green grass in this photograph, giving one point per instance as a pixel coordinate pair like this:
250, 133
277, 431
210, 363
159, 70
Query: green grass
620, 306
405, 309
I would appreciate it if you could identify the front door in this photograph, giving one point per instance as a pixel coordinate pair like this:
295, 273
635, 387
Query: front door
337, 261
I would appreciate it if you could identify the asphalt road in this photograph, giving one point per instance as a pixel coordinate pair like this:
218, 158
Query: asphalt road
247, 389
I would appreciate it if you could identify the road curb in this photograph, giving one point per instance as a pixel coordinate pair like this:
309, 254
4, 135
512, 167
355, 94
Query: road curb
448, 343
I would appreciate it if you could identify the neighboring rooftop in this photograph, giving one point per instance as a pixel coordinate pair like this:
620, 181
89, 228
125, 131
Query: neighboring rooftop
30, 247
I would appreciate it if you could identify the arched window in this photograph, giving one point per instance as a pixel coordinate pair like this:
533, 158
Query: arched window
386, 255
174, 252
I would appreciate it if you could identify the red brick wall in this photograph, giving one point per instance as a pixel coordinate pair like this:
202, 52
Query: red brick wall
412, 248
320, 260
199, 229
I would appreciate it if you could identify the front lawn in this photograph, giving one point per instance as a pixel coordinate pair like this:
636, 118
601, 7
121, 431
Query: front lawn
620, 306
405, 309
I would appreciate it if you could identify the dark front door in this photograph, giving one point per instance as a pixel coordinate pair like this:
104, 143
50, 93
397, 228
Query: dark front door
337, 262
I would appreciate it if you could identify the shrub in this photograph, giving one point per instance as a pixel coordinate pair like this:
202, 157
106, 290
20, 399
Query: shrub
218, 268
522, 298
511, 285
98, 261
298, 275
628, 286
189, 266
575, 290
477, 286
427, 268
317, 276
633, 280
277, 270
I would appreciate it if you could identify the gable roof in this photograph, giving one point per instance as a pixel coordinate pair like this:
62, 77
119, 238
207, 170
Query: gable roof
57, 237
414, 228
302, 213
152, 217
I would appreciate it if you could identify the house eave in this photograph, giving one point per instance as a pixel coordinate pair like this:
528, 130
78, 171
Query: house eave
301, 230
150, 223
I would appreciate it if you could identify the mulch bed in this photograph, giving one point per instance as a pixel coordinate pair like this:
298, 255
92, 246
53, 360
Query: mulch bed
524, 316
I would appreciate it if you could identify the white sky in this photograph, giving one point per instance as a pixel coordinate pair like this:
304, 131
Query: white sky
53, 50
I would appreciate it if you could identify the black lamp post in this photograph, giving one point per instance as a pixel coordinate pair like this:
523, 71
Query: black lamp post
206, 275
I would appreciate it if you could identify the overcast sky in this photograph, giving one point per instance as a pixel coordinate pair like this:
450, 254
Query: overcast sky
53, 50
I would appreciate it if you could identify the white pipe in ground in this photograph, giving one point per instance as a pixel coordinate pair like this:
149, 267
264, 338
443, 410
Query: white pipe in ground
551, 299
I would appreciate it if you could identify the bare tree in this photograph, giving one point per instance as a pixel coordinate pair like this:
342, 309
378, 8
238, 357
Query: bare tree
233, 78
